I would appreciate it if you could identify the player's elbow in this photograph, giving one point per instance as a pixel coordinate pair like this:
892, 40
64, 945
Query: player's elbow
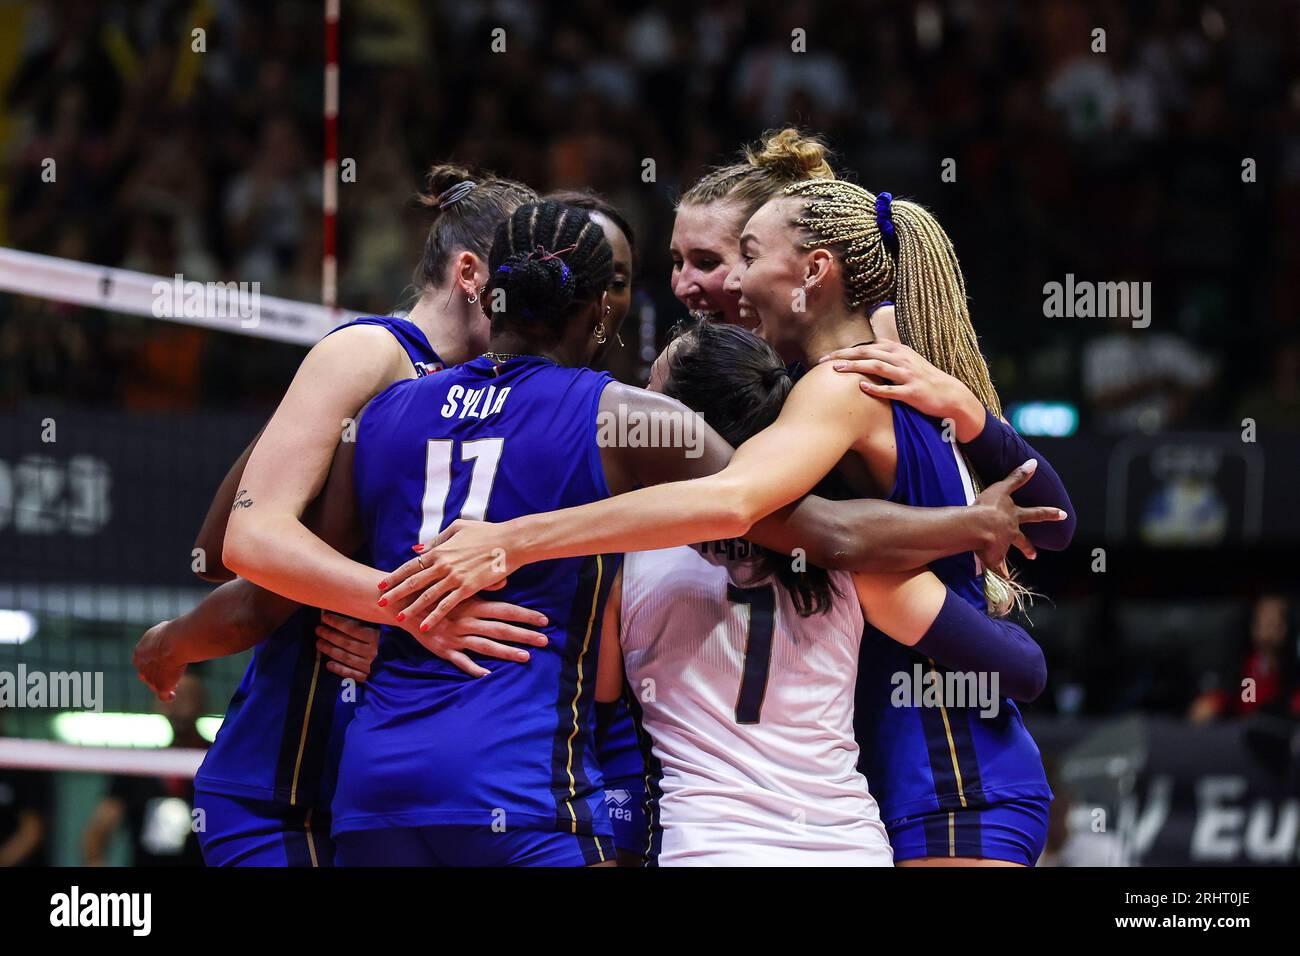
1031, 684
238, 551
209, 563
1053, 535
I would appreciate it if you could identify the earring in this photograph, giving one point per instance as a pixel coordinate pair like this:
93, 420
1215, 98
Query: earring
472, 298
619, 339
599, 333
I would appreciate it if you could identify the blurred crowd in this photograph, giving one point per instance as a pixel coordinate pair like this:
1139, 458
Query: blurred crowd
1122, 165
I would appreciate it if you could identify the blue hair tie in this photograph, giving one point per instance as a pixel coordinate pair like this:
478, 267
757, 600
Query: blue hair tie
885, 220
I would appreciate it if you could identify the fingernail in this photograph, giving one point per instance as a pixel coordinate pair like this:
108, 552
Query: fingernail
1061, 514
424, 627
839, 366
822, 359
383, 602
1032, 463
417, 548
383, 585
401, 615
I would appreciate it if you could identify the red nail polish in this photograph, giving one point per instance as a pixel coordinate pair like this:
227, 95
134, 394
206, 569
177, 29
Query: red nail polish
383, 602
401, 616
383, 585
417, 548
424, 627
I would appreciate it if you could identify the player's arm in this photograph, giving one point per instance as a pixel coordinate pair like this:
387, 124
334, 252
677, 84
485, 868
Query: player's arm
865, 534
609, 675
239, 614
275, 549
823, 418
771, 469
212, 535
103, 823
991, 445
27, 836
266, 540
919, 611
876, 536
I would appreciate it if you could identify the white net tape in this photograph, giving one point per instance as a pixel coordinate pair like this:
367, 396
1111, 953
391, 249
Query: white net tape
48, 755
225, 306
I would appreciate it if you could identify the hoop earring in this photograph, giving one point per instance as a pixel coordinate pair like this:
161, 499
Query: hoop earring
599, 333
472, 298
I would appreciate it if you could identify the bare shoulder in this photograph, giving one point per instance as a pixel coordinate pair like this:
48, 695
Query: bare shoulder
630, 397
346, 369
823, 390
354, 348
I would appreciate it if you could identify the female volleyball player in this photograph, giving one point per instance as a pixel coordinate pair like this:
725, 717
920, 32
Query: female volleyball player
617, 751
742, 669
705, 244
817, 262
441, 769
266, 784
706, 248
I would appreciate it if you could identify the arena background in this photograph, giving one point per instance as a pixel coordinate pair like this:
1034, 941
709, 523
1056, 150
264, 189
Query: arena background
1163, 150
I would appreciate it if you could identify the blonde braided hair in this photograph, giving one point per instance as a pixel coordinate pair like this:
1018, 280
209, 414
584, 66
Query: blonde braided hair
924, 280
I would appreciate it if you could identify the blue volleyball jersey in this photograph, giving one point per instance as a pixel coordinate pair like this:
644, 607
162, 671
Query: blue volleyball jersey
617, 748
923, 759
283, 730
431, 745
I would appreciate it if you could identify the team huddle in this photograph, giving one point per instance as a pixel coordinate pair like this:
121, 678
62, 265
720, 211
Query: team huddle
486, 633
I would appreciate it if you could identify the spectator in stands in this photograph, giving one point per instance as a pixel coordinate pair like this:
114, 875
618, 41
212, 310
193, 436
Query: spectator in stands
1142, 379
1268, 681
25, 804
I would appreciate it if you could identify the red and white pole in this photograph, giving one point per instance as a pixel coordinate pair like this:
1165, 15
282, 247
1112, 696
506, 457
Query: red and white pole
330, 198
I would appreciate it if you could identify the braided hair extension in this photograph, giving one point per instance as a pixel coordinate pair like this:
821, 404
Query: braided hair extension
547, 257
895, 250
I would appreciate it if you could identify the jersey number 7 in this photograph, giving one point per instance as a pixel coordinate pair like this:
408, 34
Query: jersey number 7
758, 649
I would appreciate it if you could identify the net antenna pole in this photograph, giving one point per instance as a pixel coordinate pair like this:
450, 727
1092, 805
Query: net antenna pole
330, 183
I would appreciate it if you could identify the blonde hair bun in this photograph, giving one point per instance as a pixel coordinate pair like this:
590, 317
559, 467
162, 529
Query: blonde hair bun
792, 155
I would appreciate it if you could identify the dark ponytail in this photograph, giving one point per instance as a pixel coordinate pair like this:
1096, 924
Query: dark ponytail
467, 206
738, 383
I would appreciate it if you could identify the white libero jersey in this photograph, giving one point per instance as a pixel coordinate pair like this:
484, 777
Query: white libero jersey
749, 708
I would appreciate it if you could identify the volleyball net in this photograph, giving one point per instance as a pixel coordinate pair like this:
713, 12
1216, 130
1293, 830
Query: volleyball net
124, 398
